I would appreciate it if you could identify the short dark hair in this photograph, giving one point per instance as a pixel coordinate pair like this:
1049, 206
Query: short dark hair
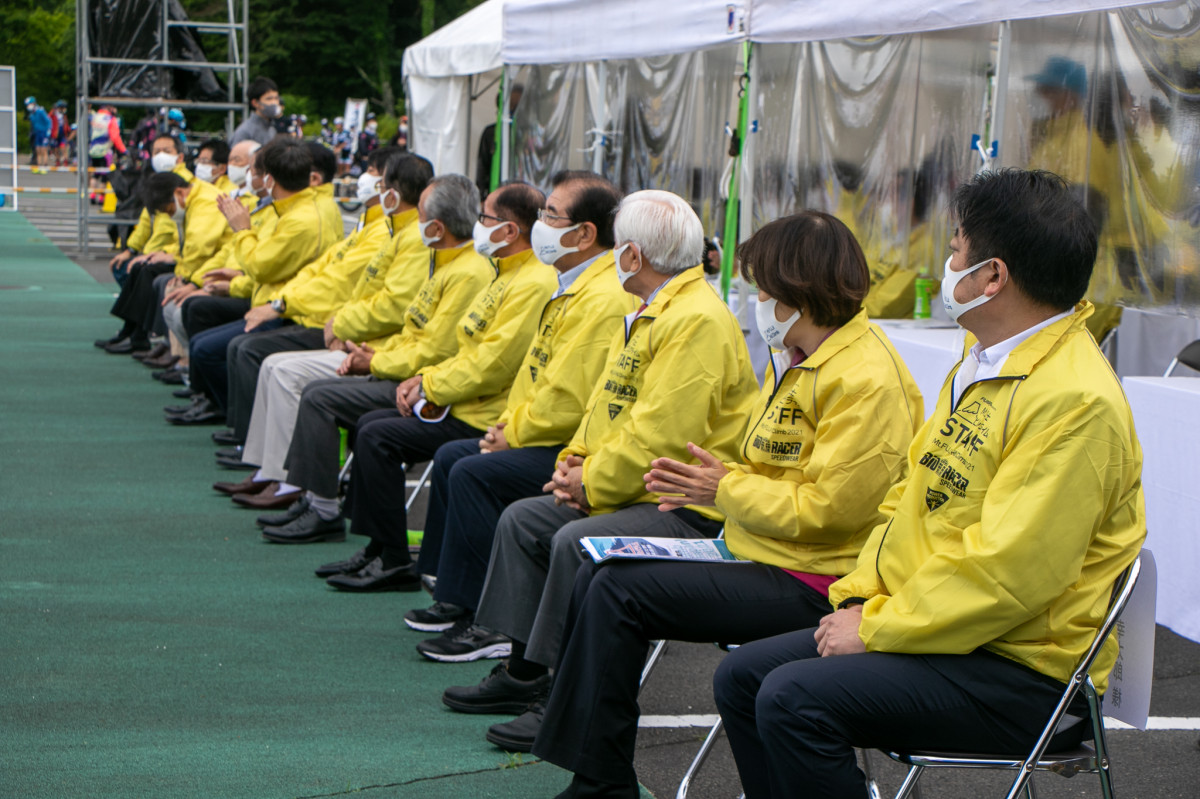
174, 141
260, 86
288, 161
218, 150
379, 158
519, 202
323, 160
408, 174
1034, 222
596, 202
810, 261
159, 190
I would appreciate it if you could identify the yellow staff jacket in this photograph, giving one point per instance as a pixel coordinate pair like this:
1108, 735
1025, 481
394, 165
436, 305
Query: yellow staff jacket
139, 237
225, 185
678, 372
320, 288
827, 439
553, 384
272, 254
1022, 505
456, 276
164, 235
493, 337
389, 284
204, 229
226, 258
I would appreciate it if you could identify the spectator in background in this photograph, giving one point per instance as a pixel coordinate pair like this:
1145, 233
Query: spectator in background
368, 141
104, 136
212, 162
265, 108
41, 128
59, 130
343, 146
487, 143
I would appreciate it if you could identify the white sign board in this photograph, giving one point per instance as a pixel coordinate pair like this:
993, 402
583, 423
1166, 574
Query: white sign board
8, 138
353, 119
1128, 696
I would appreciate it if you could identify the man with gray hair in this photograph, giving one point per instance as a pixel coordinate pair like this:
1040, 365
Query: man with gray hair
369, 376
677, 372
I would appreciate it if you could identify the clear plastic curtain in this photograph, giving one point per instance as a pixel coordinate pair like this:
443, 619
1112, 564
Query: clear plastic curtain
663, 124
1111, 101
547, 128
876, 131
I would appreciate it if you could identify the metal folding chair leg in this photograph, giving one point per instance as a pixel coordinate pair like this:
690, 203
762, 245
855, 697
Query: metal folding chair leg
699, 759
652, 661
420, 484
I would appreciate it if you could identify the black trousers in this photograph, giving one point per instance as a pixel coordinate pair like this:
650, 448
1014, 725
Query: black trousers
590, 726
469, 491
244, 357
383, 442
138, 300
203, 313
325, 407
793, 717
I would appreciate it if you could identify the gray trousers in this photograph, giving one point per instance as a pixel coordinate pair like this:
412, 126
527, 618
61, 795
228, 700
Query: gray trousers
325, 406
535, 556
244, 357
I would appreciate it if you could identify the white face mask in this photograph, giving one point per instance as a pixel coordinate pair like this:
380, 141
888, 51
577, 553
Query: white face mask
622, 275
204, 172
547, 242
238, 174
483, 239
771, 329
427, 240
950, 279
180, 211
389, 201
269, 186
163, 162
368, 185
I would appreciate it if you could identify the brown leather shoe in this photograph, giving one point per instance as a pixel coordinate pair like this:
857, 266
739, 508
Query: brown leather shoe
163, 362
157, 351
267, 499
247, 486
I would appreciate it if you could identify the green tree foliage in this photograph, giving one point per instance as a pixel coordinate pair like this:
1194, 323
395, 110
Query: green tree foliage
38, 38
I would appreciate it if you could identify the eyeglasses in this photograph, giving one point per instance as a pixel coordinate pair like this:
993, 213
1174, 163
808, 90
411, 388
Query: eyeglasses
545, 216
483, 217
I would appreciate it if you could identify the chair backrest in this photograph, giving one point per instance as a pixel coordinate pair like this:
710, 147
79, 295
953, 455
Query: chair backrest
1188, 356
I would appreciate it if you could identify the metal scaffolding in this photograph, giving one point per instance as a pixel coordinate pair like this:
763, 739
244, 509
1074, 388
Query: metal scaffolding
236, 69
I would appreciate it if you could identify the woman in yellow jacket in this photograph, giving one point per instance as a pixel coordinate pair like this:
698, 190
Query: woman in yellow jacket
826, 439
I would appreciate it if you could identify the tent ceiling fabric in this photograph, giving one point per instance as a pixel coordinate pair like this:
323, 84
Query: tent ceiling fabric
571, 31
469, 45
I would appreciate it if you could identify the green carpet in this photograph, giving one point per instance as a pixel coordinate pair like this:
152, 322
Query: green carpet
152, 644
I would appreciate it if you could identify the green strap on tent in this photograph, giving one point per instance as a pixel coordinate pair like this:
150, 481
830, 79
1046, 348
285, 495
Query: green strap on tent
499, 132
729, 239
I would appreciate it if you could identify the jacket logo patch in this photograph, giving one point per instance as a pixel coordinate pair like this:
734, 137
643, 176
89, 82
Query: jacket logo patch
934, 499
533, 372
613, 410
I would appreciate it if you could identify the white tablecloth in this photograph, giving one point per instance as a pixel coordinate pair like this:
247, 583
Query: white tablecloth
1165, 411
929, 350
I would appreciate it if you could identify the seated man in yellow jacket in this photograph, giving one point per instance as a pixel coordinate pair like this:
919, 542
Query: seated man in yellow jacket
448, 299
678, 372
989, 575
269, 255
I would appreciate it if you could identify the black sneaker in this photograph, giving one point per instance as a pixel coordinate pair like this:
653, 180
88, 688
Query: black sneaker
435, 618
498, 692
518, 735
293, 512
465, 642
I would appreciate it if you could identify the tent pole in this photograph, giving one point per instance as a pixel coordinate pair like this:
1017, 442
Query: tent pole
1000, 98
730, 237
599, 137
501, 154
746, 209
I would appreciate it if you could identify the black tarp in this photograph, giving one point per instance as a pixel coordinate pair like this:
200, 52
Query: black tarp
133, 29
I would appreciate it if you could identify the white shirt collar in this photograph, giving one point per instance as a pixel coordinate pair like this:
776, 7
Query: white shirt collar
565, 279
985, 364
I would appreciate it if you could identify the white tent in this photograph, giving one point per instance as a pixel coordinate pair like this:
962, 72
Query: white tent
444, 74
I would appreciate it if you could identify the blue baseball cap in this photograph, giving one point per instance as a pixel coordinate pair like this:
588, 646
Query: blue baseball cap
1061, 73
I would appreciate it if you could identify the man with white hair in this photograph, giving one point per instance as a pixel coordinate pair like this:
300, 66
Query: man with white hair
677, 372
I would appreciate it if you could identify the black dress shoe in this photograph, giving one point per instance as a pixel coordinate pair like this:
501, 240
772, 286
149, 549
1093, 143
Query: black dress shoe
229, 452
122, 347
183, 393
498, 692
227, 437
179, 410
307, 528
139, 354
104, 342
173, 377
518, 735
373, 577
197, 418
347, 566
154, 353
236, 463
292, 513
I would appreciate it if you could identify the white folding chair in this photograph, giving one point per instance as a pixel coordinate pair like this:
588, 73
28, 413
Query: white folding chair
1093, 759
